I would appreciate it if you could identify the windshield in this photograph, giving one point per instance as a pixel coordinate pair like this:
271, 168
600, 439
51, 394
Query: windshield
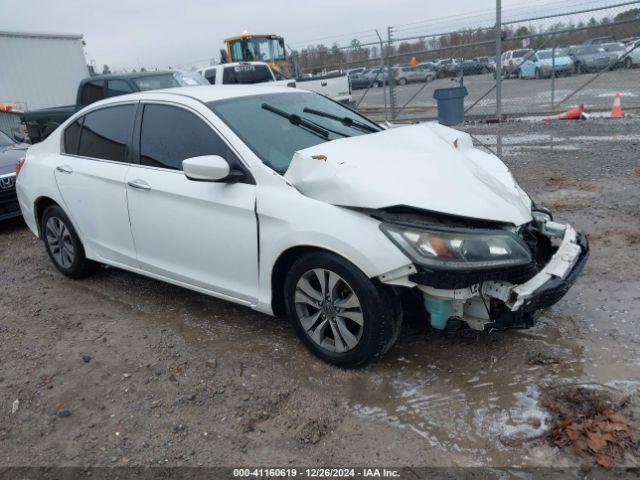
246, 74
262, 49
521, 53
154, 82
274, 138
190, 79
169, 80
5, 141
546, 54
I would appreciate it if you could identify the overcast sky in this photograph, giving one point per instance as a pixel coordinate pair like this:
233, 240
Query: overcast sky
180, 33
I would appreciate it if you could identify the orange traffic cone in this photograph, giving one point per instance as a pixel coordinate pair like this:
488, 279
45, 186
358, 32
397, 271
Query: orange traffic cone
616, 110
413, 62
573, 114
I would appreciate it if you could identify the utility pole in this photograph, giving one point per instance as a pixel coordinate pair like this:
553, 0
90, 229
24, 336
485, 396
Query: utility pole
499, 59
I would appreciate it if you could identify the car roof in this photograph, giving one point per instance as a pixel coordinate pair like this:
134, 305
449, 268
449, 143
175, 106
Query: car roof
204, 93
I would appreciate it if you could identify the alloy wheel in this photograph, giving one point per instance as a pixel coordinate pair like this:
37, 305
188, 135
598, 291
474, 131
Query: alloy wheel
60, 242
329, 310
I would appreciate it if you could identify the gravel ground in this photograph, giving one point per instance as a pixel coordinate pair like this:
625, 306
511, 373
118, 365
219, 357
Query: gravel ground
118, 369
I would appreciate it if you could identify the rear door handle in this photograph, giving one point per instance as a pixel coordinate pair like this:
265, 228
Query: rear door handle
64, 169
139, 184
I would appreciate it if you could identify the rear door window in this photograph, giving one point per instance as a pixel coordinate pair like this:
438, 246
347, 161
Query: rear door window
169, 135
92, 92
105, 133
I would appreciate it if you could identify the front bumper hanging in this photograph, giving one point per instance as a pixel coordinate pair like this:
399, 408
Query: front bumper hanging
498, 304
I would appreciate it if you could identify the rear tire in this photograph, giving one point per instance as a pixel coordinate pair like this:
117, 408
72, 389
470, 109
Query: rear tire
63, 244
628, 63
338, 313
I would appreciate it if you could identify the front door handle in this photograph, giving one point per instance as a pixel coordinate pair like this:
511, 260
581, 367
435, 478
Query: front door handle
139, 184
64, 169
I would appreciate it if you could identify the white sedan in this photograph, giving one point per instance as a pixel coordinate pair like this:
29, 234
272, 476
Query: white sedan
287, 202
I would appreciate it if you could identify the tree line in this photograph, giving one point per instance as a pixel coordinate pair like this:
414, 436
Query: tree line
468, 43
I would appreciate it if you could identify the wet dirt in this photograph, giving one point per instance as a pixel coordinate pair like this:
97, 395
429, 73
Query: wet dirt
177, 378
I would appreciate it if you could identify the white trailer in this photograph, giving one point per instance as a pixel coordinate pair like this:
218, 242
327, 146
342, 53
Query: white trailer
40, 70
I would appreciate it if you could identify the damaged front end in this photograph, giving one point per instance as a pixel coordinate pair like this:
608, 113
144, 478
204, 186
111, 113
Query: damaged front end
484, 275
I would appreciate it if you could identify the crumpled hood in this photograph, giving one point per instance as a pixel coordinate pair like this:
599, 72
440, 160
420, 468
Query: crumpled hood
426, 166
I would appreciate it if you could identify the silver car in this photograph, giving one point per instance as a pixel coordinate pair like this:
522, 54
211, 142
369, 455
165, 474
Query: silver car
404, 75
591, 58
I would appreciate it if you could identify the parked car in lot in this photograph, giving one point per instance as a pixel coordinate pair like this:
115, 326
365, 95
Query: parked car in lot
40, 123
429, 67
633, 54
591, 58
358, 81
512, 59
600, 40
542, 64
467, 67
11, 151
619, 50
404, 75
285, 201
356, 71
376, 77
489, 62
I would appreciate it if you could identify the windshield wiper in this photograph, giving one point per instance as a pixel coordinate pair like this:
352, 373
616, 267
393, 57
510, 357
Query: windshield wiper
346, 121
298, 121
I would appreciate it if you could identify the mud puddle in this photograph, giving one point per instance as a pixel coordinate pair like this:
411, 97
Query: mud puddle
475, 395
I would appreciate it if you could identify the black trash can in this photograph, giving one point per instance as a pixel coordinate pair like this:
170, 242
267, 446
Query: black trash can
450, 105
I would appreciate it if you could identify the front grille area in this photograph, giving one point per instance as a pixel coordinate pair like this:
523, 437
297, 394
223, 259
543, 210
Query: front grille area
9, 206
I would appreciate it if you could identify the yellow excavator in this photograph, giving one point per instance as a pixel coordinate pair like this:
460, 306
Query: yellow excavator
249, 47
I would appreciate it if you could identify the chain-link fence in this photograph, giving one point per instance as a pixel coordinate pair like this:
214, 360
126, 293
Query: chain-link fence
539, 65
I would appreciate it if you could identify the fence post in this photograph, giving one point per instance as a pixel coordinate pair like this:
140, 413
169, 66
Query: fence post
390, 76
553, 76
384, 81
498, 59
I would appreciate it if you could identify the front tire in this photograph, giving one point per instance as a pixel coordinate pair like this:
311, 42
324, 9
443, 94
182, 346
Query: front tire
338, 313
63, 244
402, 81
628, 63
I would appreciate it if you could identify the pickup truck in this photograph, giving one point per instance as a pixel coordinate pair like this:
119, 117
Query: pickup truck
335, 86
40, 123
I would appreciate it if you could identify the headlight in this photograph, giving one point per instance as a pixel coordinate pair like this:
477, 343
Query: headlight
459, 249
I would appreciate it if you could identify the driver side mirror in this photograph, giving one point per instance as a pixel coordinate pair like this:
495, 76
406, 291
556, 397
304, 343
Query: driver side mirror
18, 138
210, 168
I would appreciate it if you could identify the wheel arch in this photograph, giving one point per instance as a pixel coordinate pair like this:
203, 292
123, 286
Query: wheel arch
39, 206
280, 269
